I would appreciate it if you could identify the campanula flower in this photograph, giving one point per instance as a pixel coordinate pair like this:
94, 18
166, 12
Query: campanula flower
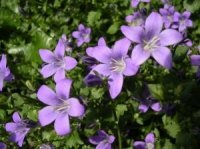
149, 103
147, 144
56, 62
114, 64
102, 140
182, 21
134, 3
19, 128
59, 106
5, 74
82, 35
2, 145
92, 80
152, 41
136, 19
195, 61
167, 14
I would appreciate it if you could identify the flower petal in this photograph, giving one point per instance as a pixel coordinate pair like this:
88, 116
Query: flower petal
60, 49
16, 117
100, 53
47, 56
170, 37
195, 60
121, 47
163, 56
63, 89
102, 69
143, 108
3, 62
48, 70
59, 75
134, 3
47, 96
103, 145
139, 55
150, 138
76, 34
11, 127
135, 34
131, 68
1, 83
115, 84
62, 125
156, 107
101, 42
154, 23
139, 145
47, 115
70, 63
76, 109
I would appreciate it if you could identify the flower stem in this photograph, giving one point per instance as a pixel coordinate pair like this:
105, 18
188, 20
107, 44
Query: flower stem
118, 130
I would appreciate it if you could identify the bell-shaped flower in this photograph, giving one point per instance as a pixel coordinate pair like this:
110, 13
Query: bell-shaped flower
19, 128
114, 64
56, 62
59, 106
152, 41
82, 35
102, 140
148, 143
5, 74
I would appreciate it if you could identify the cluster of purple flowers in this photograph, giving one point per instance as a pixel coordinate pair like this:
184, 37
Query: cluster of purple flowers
150, 36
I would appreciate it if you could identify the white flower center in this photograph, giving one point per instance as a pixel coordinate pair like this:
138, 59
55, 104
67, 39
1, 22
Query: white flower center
59, 63
152, 44
62, 108
118, 65
149, 146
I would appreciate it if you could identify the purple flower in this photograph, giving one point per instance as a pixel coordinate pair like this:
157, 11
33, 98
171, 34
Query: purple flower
82, 35
195, 60
167, 15
5, 74
102, 140
149, 103
92, 80
67, 43
57, 62
147, 144
2, 145
134, 3
19, 128
152, 41
182, 21
136, 19
60, 106
114, 64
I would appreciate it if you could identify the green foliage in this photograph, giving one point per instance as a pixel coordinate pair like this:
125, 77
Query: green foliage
27, 26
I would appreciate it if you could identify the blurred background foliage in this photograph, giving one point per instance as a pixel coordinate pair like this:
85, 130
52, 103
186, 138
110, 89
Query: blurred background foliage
27, 26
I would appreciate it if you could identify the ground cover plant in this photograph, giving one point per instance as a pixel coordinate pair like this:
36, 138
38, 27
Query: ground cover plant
101, 74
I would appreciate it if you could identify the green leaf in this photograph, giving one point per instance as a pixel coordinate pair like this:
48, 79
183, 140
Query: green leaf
120, 109
156, 91
191, 5
93, 17
73, 139
171, 126
113, 28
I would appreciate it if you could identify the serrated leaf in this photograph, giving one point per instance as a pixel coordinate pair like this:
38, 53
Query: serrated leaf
171, 126
156, 90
